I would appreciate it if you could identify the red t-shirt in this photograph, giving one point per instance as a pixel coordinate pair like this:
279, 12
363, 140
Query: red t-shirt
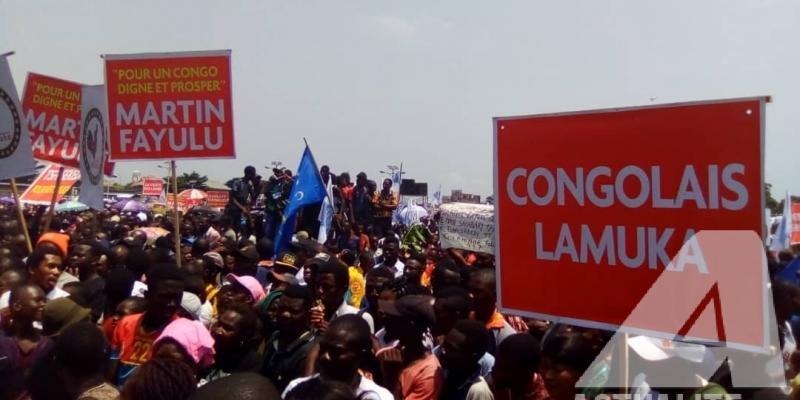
422, 379
131, 345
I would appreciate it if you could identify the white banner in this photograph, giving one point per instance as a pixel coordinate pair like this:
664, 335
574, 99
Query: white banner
94, 143
16, 156
467, 226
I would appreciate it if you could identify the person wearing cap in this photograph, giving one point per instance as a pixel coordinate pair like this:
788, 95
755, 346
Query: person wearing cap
187, 341
240, 289
289, 345
59, 241
59, 314
331, 283
213, 264
190, 306
287, 263
247, 260
410, 368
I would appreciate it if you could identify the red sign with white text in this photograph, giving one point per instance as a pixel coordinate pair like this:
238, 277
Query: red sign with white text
152, 186
171, 202
217, 198
41, 190
795, 239
170, 105
52, 113
592, 207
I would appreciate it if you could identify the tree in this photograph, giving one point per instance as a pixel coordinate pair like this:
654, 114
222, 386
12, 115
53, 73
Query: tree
774, 206
191, 180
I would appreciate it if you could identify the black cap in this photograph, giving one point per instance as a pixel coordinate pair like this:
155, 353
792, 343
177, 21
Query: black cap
286, 263
325, 260
248, 253
414, 307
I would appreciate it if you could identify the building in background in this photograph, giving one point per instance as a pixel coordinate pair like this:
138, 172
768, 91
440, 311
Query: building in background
458, 196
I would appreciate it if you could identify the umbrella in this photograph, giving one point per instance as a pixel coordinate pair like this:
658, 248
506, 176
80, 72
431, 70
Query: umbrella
411, 214
204, 210
69, 206
192, 197
7, 200
130, 205
192, 194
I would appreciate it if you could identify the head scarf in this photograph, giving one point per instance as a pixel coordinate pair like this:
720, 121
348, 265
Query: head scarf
193, 337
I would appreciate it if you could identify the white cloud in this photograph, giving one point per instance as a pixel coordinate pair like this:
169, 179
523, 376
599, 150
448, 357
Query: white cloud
394, 28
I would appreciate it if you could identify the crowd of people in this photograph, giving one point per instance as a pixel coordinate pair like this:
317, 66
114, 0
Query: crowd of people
101, 309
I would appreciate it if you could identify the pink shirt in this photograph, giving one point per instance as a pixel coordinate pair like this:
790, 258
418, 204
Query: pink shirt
422, 379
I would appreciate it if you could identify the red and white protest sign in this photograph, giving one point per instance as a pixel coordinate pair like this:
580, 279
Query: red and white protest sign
171, 202
795, 239
152, 186
217, 198
592, 207
52, 109
41, 190
170, 105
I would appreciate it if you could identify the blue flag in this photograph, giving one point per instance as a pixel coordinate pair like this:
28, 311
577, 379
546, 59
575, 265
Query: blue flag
307, 189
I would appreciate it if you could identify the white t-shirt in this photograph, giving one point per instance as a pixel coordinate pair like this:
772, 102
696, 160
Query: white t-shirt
345, 309
56, 293
397, 268
480, 391
367, 389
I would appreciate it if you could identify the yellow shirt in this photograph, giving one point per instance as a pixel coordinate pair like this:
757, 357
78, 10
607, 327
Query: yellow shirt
357, 286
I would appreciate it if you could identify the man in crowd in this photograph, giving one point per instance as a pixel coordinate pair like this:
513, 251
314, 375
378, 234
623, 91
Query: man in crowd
241, 197
344, 347
377, 280
391, 256
44, 267
91, 262
362, 200
515, 376
482, 287
288, 347
331, 284
410, 368
462, 348
81, 357
134, 335
383, 204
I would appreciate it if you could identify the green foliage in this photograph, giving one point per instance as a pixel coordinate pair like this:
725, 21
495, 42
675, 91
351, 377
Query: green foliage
192, 180
772, 204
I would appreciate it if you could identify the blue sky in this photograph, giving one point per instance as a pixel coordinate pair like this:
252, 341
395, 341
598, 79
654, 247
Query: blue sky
371, 83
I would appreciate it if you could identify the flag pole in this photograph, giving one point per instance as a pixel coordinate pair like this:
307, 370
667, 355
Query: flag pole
21, 215
399, 184
52, 210
177, 214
